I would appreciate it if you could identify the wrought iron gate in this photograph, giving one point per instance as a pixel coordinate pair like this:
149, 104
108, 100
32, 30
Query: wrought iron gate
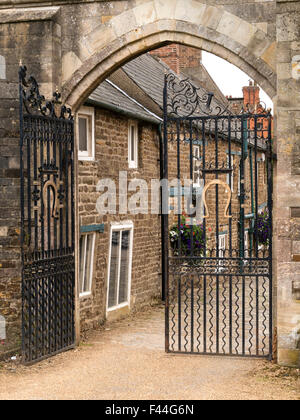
47, 219
218, 255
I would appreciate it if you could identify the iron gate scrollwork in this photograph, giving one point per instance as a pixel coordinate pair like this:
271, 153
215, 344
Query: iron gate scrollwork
47, 222
219, 283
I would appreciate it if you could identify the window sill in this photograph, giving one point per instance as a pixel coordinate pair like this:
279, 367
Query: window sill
85, 295
115, 308
86, 158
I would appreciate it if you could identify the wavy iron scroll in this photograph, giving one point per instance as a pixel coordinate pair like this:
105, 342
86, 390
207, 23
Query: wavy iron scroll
35, 103
185, 100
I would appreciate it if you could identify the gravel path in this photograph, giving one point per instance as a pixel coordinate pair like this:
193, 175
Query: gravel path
127, 361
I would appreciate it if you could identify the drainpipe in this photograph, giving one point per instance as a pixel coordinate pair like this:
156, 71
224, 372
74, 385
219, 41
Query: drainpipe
242, 184
163, 248
252, 198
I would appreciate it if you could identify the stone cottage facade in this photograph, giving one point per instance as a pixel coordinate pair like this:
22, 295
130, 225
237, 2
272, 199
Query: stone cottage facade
139, 280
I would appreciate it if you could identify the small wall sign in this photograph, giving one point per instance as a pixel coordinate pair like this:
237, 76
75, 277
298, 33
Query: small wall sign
295, 212
2, 328
296, 67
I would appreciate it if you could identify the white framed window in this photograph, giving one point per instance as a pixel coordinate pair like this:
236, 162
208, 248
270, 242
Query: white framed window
246, 243
222, 245
264, 168
239, 180
230, 176
196, 166
133, 145
120, 266
86, 133
86, 260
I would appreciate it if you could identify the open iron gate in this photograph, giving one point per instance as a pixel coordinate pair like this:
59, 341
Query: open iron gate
217, 260
47, 222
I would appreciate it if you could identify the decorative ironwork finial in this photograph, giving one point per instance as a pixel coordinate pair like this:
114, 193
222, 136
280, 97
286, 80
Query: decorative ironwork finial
35, 103
185, 99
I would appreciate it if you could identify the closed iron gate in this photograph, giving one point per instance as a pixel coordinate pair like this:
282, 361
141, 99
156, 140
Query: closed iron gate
47, 219
218, 253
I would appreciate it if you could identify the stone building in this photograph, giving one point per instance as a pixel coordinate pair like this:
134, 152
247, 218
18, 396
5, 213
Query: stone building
76, 45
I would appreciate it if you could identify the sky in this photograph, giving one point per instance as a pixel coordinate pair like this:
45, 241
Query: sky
229, 78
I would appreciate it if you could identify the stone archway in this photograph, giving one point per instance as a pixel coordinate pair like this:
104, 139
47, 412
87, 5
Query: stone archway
103, 49
159, 22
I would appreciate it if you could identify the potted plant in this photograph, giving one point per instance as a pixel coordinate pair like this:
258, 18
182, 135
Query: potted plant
263, 229
190, 239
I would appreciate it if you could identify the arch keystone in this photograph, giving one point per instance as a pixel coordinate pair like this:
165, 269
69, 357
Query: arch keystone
190, 11
145, 13
124, 22
165, 9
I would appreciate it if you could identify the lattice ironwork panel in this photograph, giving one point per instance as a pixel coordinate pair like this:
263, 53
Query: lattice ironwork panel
48, 305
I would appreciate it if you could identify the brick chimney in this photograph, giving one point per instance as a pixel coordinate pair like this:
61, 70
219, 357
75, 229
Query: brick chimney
251, 94
179, 57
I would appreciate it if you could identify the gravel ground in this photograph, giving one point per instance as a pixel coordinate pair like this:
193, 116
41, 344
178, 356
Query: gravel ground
126, 360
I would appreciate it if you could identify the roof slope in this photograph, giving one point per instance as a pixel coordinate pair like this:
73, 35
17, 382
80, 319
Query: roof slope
138, 88
109, 96
149, 73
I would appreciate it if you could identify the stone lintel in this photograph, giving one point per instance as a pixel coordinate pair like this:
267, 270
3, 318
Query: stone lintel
9, 4
28, 15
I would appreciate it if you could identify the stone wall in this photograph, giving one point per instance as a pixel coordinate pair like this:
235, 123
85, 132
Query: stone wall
10, 284
36, 43
287, 194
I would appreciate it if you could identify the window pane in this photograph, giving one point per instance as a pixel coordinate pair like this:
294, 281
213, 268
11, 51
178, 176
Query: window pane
82, 248
123, 289
132, 144
113, 276
222, 245
83, 136
89, 263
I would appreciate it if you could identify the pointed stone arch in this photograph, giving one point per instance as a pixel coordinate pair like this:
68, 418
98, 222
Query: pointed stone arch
159, 22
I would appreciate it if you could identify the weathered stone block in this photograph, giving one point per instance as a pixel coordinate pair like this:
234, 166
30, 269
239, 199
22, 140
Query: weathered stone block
165, 9
145, 13
229, 25
290, 358
70, 63
288, 27
123, 22
211, 17
189, 10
